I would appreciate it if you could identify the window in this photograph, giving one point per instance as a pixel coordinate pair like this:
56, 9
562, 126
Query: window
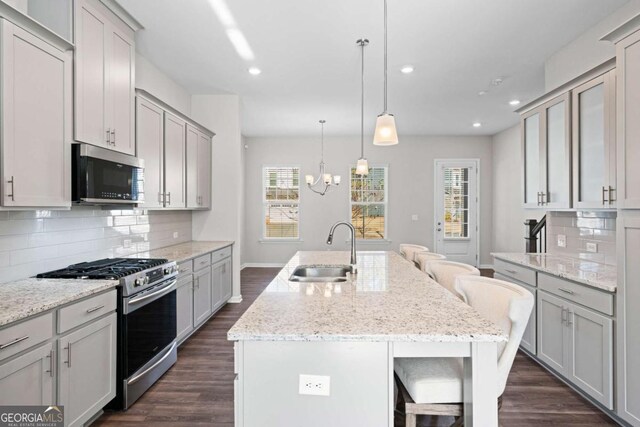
281, 199
369, 203
456, 202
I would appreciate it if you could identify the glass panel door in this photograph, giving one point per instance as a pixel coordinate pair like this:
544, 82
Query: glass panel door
456, 202
591, 140
557, 193
532, 159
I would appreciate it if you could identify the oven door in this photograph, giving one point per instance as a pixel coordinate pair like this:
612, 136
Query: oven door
149, 325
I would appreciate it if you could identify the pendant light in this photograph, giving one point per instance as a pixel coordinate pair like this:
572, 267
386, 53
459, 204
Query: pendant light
324, 181
385, 133
362, 167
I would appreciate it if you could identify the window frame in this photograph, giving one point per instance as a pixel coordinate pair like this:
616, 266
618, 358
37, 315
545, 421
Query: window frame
266, 203
385, 238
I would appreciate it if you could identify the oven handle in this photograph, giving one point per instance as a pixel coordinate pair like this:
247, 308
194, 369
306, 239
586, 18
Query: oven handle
155, 295
152, 367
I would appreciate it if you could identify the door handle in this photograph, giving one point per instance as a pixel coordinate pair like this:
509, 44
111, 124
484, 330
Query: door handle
539, 200
108, 136
113, 132
168, 198
160, 198
51, 362
604, 199
569, 317
11, 181
13, 342
91, 310
611, 199
563, 317
68, 348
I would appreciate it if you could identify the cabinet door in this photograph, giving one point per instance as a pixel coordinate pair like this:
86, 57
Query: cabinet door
87, 370
192, 167
90, 80
28, 379
553, 342
592, 143
226, 280
216, 285
174, 161
184, 308
150, 148
591, 366
556, 177
36, 121
531, 128
628, 320
202, 298
628, 125
120, 101
204, 170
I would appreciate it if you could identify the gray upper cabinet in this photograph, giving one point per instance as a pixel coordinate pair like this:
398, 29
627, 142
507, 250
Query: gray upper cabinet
547, 155
628, 125
29, 379
193, 136
204, 171
150, 148
36, 89
104, 78
594, 147
174, 161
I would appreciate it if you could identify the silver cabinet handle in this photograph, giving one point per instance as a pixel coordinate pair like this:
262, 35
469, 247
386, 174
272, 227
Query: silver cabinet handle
51, 362
160, 198
224, 268
539, 198
16, 341
569, 317
566, 291
108, 136
113, 133
91, 310
546, 198
169, 198
511, 271
68, 348
12, 182
611, 199
563, 318
604, 198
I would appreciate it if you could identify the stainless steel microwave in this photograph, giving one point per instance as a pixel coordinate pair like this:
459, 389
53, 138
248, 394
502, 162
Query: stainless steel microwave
105, 177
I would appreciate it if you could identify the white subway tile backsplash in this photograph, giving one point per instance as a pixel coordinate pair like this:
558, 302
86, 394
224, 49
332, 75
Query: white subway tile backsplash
32, 242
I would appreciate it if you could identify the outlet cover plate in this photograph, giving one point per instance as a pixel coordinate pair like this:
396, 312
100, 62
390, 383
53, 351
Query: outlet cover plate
175, 234
315, 385
562, 241
592, 247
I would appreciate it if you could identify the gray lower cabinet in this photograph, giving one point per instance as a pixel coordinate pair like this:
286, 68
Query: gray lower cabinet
202, 308
29, 379
87, 370
221, 272
578, 344
184, 307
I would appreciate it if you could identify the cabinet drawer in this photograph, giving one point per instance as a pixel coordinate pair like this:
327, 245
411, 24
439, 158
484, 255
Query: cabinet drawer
578, 293
81, 312
185, 268
221, 254
23, 335
514, 271
201, 262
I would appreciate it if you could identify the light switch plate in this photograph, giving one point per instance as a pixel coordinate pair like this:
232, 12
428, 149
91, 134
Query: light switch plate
562, 241
315, 385
592, 247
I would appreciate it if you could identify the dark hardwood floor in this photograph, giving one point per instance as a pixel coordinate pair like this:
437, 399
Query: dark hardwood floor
198, 390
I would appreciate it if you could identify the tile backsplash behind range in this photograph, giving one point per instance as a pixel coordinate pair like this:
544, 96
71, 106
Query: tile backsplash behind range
583, 228
33, 242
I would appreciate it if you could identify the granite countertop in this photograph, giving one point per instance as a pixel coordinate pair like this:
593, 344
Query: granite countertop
601, 276
184, 251
389, 300
28, 297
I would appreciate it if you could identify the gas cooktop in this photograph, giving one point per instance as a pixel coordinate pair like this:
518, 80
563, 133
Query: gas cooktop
109, 269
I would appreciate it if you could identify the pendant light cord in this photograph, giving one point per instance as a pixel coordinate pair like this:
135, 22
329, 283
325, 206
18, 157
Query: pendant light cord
362, 44
322, 142
385, 56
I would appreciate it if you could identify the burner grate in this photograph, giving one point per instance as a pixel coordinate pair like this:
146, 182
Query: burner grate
109, 268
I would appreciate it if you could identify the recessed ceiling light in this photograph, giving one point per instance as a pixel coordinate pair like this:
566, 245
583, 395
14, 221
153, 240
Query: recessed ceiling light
477, 124
407, 69
482, 92
514, 102
255, 71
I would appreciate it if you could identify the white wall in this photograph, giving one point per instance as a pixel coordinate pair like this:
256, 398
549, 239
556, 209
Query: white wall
158, 84
221, 113
587, 51
508, 213
411, 182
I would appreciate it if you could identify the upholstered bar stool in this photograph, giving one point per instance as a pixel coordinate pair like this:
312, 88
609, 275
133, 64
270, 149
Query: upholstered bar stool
433, 386
423, 259
409, 251
445, 273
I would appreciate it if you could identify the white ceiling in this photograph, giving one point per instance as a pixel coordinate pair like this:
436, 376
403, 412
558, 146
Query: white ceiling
311, 65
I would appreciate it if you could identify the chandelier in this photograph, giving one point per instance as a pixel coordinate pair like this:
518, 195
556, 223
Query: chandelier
324, 181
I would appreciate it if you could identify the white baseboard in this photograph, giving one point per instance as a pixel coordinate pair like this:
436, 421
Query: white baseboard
262, 265
235, 299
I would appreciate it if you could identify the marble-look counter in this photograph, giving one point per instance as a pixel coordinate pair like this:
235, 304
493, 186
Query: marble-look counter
601, 276
184, 251
389, 300
28, 297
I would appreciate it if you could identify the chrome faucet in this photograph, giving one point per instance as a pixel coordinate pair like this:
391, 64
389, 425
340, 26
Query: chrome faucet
354, 269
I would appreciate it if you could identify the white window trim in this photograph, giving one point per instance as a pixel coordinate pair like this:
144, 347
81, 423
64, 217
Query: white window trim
386, 238
264, 238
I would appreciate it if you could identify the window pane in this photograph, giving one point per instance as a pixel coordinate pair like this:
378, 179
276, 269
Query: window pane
456, 202
281, 220
281, 183
368, 221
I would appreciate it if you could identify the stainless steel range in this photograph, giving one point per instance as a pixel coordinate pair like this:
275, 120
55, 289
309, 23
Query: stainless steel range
146, 318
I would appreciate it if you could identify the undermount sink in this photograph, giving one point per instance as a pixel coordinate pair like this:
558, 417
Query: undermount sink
320, 273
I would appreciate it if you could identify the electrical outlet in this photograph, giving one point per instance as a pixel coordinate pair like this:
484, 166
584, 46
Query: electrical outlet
562, 241
175, 234
592, 247
315, 385
414, 217
126, 243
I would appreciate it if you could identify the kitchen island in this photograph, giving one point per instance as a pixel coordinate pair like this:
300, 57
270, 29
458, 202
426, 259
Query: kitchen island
348, 334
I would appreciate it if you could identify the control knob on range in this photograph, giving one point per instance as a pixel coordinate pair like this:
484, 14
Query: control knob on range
137, 283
